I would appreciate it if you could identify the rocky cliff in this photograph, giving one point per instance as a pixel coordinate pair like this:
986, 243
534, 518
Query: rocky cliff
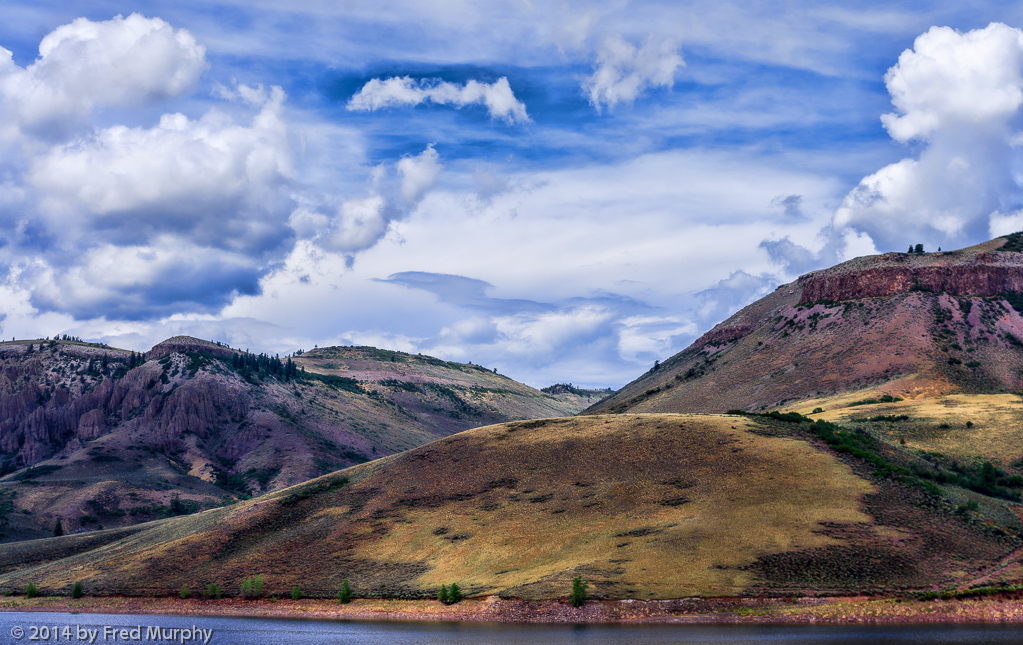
960, 273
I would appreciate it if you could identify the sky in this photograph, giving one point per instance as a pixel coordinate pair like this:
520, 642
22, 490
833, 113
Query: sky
564, 191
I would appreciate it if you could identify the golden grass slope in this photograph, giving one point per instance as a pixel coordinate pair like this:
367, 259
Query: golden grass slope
987, 426
648, 506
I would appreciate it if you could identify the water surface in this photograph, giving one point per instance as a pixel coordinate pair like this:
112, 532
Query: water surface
262, 631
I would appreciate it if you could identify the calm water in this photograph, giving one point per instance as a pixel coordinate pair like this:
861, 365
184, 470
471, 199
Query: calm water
102, 628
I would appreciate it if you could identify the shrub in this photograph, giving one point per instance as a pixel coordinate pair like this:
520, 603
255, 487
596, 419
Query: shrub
30, 590
344, 594
213, 592
817, 410
296, 593
185, 591
442, 596
76, 589
252, 587
578, 598
454, 594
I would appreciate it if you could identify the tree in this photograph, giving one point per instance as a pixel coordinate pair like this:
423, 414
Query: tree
252, 587
919, 248
58, 529
76, 589
185, 591
578, 598
443, 595
454, 594
910, 249
30, 590
344, 594
213, 592
296, 593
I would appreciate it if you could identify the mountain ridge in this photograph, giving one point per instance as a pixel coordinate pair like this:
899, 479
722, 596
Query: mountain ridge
912, 323
99, 436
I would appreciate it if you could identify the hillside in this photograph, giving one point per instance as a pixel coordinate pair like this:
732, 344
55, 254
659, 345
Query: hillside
100, 437
689, 505
906, 323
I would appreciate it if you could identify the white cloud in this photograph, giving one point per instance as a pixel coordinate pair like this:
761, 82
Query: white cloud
86, 65
182, 166
404, 91
136, 222
418, 174
357, 226
960, 94
121, 281
950, 79
1004, 223
361, 222
652, 337
623, 70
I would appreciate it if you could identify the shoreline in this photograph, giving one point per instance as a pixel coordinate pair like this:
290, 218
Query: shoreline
840, 610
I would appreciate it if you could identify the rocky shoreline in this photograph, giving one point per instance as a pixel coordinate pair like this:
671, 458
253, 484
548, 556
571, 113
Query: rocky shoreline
494, 609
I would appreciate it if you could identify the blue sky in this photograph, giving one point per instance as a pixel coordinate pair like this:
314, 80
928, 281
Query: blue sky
563, 191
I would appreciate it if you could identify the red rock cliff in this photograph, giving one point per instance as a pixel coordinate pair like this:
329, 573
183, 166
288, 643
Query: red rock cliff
960, 273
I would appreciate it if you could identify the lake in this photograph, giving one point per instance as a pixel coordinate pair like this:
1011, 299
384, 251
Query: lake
115, 628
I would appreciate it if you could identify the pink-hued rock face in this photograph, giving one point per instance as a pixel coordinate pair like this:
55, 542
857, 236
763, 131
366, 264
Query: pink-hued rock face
962, 273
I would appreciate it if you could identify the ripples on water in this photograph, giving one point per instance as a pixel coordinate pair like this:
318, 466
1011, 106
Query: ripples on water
255, 631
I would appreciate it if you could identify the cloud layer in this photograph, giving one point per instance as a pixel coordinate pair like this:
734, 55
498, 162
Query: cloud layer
229, 172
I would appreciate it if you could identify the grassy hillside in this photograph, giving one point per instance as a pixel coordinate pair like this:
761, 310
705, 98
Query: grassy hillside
647, 506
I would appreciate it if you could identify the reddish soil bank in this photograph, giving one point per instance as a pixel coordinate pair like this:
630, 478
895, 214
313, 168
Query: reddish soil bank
493, 609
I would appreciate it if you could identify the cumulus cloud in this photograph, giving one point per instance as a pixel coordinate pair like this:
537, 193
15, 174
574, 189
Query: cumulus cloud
400, 91
206, 198
359, 223
86, 65
164, 277
418, 174
137, 222
959, 95
950, 78
624, 70
211, 177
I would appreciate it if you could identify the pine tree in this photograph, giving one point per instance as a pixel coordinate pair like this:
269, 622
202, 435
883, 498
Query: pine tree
58, 529
344, 594
578, 598
443, 595
455, 594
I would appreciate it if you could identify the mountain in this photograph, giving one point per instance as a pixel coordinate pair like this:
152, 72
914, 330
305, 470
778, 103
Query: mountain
903, 324
892, 466
103, 437
641, 506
